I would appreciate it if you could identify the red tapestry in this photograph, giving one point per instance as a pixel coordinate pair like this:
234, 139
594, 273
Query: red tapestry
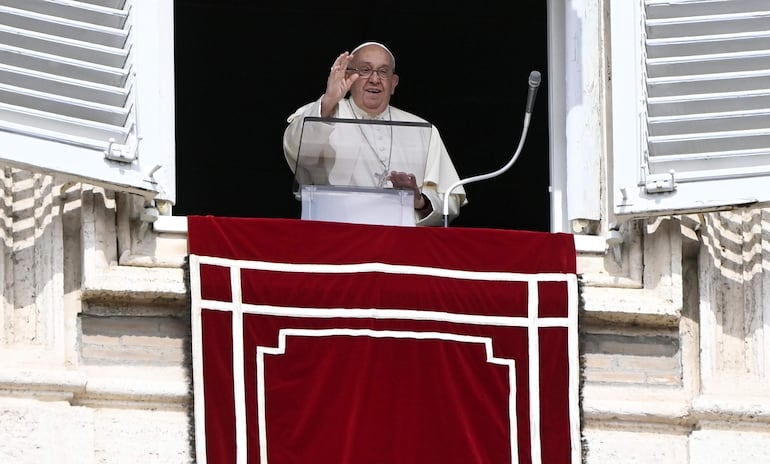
329, 343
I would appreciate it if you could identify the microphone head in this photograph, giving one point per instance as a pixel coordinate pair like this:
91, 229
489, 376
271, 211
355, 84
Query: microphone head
534, 78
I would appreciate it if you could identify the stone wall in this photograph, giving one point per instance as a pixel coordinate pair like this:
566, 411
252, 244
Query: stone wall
95, 339
694, 388
95, 358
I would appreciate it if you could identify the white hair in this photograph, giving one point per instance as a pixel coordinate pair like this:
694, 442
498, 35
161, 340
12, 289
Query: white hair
366, 44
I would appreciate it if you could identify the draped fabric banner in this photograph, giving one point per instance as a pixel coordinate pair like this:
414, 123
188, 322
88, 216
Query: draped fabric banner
330, 343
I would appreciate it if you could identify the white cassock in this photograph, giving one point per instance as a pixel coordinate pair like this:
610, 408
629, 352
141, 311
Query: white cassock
372, 151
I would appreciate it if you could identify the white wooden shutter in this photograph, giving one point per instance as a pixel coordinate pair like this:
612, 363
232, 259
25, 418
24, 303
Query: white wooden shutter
86, 89
691, 104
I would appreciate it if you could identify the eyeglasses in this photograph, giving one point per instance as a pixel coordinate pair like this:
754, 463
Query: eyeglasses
366, 71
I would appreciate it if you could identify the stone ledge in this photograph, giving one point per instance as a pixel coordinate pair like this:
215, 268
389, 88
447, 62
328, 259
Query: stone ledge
672, 406
80, 386
633, 306
735, 407
136, 284
634, 404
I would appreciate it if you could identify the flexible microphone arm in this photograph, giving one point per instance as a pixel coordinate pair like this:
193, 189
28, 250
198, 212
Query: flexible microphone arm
534, 83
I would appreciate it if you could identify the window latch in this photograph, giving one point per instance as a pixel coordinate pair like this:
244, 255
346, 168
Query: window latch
661, 183
119, 153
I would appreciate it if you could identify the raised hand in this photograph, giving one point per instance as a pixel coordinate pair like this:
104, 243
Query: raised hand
337, 85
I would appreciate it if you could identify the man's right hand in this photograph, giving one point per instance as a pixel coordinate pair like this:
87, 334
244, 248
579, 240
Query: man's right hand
337, 85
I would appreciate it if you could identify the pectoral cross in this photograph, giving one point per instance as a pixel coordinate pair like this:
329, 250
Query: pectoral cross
382, 177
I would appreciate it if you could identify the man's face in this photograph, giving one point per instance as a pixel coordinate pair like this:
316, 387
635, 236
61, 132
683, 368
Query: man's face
372, 93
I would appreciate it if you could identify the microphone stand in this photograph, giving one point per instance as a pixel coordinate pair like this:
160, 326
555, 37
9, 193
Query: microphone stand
534, 82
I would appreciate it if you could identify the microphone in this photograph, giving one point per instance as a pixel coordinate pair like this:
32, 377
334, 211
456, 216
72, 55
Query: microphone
534, 83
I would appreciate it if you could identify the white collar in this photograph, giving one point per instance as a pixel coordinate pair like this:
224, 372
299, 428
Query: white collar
361, 114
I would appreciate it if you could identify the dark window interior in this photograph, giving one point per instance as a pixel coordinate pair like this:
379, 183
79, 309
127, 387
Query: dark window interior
243, 66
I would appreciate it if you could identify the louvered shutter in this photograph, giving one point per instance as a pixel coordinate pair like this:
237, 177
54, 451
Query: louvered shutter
691, 104
86, 89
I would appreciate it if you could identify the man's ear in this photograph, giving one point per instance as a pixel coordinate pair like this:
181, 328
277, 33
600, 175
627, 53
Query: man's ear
394, 79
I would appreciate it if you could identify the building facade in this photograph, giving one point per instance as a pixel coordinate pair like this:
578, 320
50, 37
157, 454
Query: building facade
674, 260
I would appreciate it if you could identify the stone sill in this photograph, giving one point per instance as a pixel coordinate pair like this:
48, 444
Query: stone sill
139, 386
136, 284
629, 306
664, 405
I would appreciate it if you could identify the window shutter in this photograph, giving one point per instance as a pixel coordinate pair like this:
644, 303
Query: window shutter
76, 79
691, 104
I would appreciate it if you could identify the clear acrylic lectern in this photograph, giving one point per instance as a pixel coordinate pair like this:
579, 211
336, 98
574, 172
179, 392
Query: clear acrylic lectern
343, 167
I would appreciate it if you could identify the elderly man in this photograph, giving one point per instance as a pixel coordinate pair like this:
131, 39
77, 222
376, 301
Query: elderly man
368, 74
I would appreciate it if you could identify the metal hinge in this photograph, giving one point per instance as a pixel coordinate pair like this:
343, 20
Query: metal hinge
660, 183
